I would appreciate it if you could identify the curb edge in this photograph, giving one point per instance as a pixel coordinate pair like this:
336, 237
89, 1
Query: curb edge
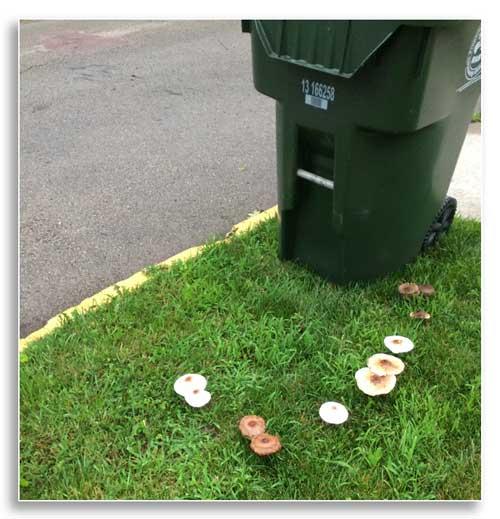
137, 279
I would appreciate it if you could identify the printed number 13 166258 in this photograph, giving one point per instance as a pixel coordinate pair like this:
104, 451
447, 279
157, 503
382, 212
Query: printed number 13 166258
318, 89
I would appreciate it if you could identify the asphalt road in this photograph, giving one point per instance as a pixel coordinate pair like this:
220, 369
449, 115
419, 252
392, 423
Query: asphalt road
137, 140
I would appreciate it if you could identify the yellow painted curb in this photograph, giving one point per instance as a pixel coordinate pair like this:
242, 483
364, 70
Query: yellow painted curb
138, 279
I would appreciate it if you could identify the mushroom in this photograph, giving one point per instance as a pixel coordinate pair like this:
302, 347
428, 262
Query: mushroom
198, 397
398, 343
265, 444
373, 384
187, 383
427, 290
382, 364
408, 289
252, 425
333, 412
425, 316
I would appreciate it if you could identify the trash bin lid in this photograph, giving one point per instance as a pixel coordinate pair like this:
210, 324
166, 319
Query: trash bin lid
338, 47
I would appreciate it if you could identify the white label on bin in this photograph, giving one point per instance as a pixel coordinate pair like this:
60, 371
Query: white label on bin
317, 94
473, 62
317, 102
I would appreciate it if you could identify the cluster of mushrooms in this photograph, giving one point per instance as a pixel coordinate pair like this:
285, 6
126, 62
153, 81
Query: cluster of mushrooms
377, 378
263, 444
411, 290
192, 387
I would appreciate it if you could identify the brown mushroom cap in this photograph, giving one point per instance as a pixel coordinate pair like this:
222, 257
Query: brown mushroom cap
427, 290
252, 425
265, 444
408, 289
421, 314
382, 364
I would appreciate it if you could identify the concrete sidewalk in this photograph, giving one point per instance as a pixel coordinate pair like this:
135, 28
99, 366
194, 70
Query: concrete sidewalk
466, 183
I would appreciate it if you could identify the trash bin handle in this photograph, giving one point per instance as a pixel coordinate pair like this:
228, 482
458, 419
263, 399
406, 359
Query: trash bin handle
312, 177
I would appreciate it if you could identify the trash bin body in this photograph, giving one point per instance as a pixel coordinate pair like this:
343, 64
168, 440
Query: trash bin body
370, 120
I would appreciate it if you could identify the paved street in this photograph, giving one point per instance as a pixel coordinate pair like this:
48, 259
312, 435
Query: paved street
138, 140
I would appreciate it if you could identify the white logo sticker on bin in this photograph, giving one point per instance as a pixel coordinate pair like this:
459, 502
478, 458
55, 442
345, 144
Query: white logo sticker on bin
473, 62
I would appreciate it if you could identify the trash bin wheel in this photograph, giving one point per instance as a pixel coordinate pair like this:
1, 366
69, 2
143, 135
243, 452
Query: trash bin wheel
441, 223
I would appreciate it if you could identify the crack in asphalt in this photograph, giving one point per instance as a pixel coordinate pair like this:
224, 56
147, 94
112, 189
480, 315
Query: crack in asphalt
36, 65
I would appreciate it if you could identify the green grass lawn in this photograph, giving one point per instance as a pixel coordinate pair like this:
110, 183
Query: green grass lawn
100, 419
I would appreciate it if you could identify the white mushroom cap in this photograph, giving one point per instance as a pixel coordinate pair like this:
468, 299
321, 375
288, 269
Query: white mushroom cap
398, 343
382, 364
198, 397
333, 412
188, 382
373, 384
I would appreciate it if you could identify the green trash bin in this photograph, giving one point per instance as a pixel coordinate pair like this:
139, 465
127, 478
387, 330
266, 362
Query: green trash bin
370, 120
